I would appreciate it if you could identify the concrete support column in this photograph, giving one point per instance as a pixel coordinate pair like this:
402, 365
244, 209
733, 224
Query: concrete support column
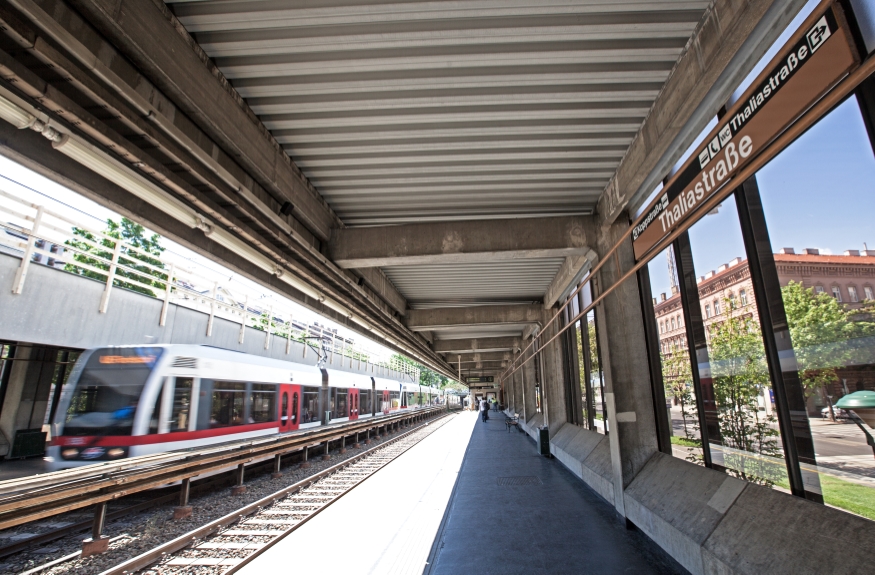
553, 385
631, 421
528, 387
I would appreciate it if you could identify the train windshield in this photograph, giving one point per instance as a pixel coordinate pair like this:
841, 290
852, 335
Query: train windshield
108, 390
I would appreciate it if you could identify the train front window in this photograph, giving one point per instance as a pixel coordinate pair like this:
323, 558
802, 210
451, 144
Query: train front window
108, 390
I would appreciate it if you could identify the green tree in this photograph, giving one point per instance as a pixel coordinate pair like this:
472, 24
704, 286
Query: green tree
132, 234
740, 375
677, 377
426, 376
822, 331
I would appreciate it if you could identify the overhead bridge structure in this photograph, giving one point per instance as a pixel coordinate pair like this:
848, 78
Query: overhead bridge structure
443, 177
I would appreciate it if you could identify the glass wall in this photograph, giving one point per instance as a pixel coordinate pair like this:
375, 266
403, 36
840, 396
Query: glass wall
765, 320
591, 380
818, 199
736, 388
673, 357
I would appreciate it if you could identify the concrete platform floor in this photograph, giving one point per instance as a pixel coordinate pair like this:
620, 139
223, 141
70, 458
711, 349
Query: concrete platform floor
511, 512
514, 511
15, 468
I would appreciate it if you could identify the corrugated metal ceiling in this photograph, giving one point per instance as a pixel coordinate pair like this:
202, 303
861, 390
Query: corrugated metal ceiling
407, 111
426, 110
443, 285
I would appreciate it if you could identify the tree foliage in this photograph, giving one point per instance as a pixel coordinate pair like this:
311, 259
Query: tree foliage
677, 378
132, 234
740, 375
427, 376
823, 334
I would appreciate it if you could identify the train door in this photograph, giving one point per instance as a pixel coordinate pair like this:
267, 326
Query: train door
353, 404
385, 402
290, 398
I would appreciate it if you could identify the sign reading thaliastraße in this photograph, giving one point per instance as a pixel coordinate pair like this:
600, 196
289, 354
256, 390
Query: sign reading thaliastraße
811, 63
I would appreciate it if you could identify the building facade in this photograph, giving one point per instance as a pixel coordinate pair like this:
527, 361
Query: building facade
849, 278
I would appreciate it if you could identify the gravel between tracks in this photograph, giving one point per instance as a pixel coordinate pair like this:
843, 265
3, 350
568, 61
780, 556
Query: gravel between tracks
149, 529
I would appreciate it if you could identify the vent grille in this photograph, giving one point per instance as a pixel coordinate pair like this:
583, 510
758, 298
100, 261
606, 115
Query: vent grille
520, 480
186, 362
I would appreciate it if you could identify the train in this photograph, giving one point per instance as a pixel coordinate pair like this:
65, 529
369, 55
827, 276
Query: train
125, 401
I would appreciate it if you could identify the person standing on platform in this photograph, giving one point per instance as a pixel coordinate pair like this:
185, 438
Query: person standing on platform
484, 409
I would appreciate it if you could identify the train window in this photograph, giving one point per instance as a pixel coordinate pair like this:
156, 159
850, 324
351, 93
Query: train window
108, 391
227, 406
339, 402
156, 411
310, 411
395, 399
262, 403
180, 415
294, 408
365, 401
285, 407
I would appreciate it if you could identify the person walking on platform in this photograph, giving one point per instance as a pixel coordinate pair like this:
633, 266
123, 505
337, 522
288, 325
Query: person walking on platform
484, 409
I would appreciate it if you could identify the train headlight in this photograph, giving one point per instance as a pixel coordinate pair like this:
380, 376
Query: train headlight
116, 452
70, 453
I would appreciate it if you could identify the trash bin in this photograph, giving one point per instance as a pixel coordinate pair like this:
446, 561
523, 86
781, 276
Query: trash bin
544, 441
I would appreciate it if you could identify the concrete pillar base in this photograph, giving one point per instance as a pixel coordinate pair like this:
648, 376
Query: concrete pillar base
238, 490
356, 445
342, 450
276, 475
367, 441
304, 465
326, 457
181, 512
95, 546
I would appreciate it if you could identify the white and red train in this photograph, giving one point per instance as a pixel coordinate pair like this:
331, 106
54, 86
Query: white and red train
136, 400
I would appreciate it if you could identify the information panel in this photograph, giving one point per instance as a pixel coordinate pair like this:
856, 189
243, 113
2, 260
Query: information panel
813, 61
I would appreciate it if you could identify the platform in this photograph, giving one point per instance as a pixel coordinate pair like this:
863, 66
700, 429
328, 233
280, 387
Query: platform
483, 501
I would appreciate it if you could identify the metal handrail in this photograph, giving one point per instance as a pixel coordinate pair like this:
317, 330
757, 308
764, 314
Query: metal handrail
170, 281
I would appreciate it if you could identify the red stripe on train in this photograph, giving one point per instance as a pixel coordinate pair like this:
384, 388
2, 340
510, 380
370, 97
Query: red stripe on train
129, 440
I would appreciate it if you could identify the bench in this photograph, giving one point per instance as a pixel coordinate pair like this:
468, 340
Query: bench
511, 421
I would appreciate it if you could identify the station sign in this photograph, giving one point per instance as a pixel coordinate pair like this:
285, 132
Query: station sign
819, 55
481, 379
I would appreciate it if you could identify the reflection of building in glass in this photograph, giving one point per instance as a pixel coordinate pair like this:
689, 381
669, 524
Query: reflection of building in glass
849, 278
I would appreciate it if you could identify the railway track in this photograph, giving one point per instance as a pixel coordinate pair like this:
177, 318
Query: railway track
230, 542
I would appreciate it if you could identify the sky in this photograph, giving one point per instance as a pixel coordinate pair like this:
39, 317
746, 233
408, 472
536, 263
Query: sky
819, 192
33, 187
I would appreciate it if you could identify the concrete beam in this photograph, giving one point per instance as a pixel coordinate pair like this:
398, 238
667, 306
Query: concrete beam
457, 242
377, 281
472, 345
500, 356
728, 43
455, 317
568, 276
149, 35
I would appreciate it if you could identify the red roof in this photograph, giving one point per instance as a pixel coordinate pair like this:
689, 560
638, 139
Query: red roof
823, 259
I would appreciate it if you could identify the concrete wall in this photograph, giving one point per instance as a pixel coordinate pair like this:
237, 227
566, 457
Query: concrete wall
61, 309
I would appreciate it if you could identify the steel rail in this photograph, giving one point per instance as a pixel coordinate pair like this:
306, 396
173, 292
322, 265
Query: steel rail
144, 560
101, 485
810, 117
